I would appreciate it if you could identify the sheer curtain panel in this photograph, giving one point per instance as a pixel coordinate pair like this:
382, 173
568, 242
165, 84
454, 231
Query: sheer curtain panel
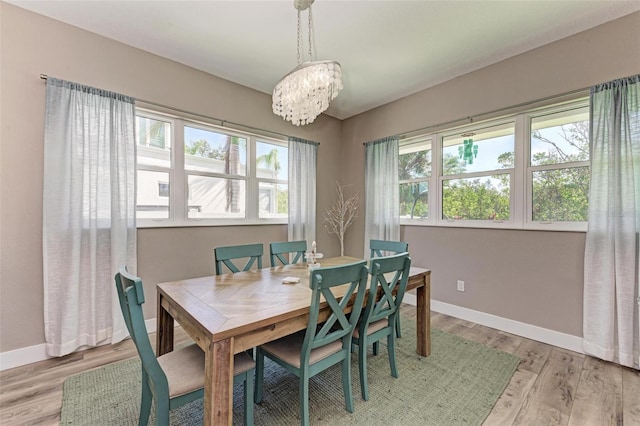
611, 300
382, 192
302, 190
88, 213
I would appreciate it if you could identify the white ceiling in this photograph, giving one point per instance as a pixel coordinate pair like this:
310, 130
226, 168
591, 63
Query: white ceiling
388, 49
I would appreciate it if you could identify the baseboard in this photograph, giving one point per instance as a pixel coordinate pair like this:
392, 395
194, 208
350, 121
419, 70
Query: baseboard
31, 354
544, 335
36, 353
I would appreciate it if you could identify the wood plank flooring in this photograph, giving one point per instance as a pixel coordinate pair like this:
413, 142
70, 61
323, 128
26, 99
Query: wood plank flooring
551, 386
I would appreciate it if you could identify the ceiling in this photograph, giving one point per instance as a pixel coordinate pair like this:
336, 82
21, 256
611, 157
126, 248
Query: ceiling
388, 49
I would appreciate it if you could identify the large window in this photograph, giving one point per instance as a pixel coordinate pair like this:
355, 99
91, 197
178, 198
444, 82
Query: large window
529, 170
192, 173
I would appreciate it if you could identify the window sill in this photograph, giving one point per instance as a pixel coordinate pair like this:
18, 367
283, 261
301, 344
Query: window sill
533, 226
191, 223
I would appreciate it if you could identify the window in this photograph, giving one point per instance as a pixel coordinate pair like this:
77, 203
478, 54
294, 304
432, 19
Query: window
477, 171
153, 167
272, 171
529, 170
414, 173
558, 169
213, 176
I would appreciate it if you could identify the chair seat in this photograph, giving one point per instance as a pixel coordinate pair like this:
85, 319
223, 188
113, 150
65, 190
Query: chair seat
288, 349
372, 328
184, 368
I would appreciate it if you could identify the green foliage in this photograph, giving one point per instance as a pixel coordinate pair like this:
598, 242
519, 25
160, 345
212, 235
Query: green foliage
202, 148
475, 199
562, 194
283, 202
414, 196
270, 161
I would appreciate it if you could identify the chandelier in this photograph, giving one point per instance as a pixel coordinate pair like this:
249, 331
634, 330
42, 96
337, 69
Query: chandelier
305, 92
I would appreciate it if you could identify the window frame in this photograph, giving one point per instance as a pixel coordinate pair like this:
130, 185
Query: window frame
178, 175
521, 175
413, 142
477, 223
530, 169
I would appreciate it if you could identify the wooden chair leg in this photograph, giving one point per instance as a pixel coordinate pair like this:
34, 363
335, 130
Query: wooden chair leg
162, 411
304, 398
362, 367
147, 399
346, 384
259, 376
391, 349
248, 398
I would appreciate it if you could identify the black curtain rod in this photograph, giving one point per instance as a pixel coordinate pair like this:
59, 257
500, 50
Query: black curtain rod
221, 121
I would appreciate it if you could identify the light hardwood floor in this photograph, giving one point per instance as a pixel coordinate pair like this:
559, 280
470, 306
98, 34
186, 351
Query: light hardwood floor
551, 386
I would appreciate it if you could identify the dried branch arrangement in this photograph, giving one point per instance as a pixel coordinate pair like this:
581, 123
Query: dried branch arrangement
341, 215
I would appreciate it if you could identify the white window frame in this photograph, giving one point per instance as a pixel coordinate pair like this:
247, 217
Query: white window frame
521, 176
258, 180
412, 142
178, 176
549, 225
485, 173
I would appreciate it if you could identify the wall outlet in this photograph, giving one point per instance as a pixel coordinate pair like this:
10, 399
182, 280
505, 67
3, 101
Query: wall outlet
460, 285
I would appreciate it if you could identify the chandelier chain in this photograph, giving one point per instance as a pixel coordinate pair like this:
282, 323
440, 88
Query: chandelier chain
298, 57
310, 33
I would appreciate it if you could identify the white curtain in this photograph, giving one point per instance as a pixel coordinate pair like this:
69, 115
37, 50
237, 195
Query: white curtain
88, 213
611, 300
302, 190
382, 192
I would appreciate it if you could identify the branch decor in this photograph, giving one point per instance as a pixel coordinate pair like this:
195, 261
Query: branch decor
341, 215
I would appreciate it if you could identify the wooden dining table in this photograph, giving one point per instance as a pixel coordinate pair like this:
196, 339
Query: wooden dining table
230, 313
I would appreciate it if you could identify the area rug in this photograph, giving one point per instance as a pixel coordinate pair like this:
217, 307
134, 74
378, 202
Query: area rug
458, 384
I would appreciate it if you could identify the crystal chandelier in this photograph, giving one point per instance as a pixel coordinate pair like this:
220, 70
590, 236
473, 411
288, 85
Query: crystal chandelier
305, 92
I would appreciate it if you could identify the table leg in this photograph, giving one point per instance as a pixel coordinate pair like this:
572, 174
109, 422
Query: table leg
218, 383
164, 327
423, 317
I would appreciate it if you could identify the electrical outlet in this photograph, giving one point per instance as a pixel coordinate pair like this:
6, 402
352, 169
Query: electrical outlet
460, 285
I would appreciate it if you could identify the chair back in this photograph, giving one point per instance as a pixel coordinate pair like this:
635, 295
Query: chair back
295, 250
131, 296
391, 247
226, 255
388, 275
339, 324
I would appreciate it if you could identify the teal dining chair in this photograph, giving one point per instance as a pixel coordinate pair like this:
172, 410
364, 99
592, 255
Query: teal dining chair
294, 249
175, 378
320, 345
224, 256
382, 308
377, 247
381, 248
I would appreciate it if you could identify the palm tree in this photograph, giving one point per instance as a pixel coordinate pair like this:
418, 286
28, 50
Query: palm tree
231, 163
270, 160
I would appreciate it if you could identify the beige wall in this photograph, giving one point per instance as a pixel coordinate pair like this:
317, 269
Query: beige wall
31, 45
527, 276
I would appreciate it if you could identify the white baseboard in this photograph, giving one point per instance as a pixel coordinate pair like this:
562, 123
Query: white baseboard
544, 335
36, 353
31, 354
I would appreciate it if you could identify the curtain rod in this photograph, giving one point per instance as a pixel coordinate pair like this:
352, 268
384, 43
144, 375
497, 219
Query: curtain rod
490, 114
221, 121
